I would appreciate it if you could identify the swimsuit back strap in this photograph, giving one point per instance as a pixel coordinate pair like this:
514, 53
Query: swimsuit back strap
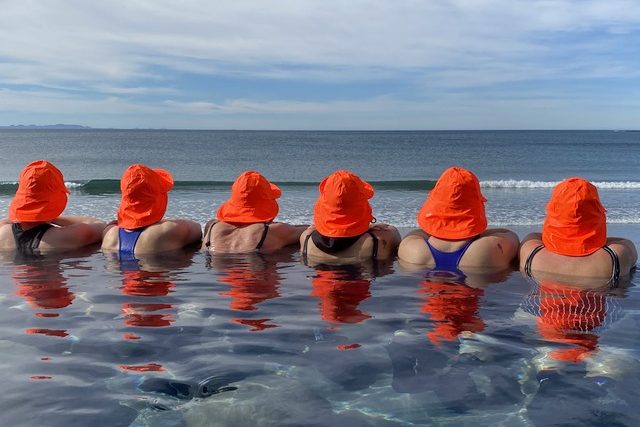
265, 230
448, 260
306, 244
374, 252
28, 241
527, 264
127, 240
304, 248
207, 232
615, 265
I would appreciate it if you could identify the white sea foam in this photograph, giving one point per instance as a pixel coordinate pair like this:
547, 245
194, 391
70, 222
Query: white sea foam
523, 183
70, 184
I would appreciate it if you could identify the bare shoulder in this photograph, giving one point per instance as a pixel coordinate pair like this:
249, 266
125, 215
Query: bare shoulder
387, 233
73, 236
287, 229
110, 238
626, 251
413, 248
496, 247
182, 231
282, 234
305, 233
528, 244
388, 239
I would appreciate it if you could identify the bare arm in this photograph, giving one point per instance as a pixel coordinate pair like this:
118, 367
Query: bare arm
286, 234
74, 236
411, 249
64, 221
188, 231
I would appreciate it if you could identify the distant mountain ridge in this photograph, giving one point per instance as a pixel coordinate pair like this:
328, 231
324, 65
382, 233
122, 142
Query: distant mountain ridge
56, 126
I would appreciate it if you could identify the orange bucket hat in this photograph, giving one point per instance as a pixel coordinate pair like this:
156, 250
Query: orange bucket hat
41, 195
144, 196
454, 208
253, 199
343, 208
576, 224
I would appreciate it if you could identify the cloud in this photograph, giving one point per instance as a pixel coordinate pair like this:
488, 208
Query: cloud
154, 56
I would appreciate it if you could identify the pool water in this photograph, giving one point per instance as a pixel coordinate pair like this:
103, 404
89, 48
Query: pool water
185, 339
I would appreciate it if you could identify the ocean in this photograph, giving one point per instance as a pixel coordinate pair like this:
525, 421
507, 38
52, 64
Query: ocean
186, 339
517, 169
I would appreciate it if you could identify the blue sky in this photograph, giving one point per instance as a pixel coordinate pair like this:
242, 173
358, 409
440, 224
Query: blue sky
306, 64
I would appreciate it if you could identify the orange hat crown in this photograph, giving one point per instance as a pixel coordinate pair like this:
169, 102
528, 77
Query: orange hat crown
576, 223
343, 209
253, 199
144, 196
41, 195
454, 208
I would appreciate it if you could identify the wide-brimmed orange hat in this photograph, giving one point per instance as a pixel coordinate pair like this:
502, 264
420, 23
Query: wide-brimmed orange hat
576, 223
253, 199
41, 195
454, 209
144, 196
343, 209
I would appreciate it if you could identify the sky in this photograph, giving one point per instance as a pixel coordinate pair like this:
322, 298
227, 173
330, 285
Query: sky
321, 64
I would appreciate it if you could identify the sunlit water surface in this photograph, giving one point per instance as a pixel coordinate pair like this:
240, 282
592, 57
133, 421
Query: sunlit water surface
186, 339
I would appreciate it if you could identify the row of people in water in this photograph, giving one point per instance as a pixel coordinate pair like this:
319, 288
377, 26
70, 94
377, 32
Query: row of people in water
453, 233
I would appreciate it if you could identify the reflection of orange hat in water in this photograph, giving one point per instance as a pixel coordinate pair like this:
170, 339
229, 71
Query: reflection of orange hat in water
146, 283
41, 195
42, 288
144, 196
145, 315
250, 287
454, 208
343, 209
453, 308
340, 297
567, 315
253, 199
576, 224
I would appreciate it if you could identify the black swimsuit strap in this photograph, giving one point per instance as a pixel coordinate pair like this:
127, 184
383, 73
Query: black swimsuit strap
263, 237
207, 232
374, 252
527, 264
28, 241
615, 265
304, 248
306, 244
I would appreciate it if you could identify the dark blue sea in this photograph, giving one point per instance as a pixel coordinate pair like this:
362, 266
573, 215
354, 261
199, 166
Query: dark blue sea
184, 339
